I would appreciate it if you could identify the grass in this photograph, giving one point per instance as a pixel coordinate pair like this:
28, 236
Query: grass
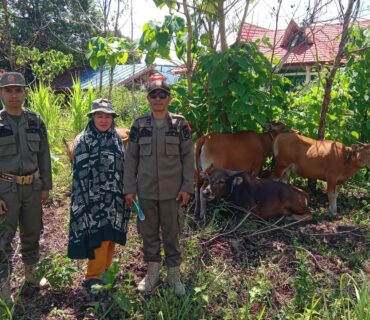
292, 273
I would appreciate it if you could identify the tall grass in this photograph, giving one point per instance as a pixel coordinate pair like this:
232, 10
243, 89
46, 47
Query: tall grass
80, 103
42, 100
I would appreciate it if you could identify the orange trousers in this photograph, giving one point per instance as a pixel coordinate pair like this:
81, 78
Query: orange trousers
102, 262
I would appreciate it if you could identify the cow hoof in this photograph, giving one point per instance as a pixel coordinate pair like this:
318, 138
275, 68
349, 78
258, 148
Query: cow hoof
300, 217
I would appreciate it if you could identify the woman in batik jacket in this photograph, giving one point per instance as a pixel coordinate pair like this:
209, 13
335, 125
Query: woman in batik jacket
99, 215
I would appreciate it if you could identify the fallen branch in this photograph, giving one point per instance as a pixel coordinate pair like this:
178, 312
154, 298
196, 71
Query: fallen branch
313, 257
226, 233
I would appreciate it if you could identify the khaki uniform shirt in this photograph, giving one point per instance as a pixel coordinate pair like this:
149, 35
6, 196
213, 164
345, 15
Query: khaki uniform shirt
24, 147
159, 161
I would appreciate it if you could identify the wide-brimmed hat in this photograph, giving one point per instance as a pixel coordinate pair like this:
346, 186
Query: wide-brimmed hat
158, 85
103, 105
8, 79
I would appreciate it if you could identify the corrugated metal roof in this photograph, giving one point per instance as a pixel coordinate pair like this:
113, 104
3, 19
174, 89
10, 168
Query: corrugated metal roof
123, 74
166, 71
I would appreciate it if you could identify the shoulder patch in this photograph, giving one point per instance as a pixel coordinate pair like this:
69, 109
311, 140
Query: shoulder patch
185, 131
134, 134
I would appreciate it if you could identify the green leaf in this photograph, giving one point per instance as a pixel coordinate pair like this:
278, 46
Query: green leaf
237, 87
261, 119
355, 134
218, 77
204, 40
233, 117
163, 38
123, 302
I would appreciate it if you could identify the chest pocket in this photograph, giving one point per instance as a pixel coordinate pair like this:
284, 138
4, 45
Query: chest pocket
7, 146
33, 141
172, 146
145, 146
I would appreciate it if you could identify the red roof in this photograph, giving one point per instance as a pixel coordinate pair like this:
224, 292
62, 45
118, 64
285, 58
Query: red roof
313, 44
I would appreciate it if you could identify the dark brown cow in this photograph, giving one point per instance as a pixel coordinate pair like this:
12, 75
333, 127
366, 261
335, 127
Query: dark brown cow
326, 160
122, 132
265, 198
244, 151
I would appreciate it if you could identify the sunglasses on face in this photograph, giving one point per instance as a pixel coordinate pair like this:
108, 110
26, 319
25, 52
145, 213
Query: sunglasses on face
159, 94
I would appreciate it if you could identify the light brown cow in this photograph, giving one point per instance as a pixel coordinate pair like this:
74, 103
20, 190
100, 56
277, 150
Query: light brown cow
240, 151
326, 160
122, 132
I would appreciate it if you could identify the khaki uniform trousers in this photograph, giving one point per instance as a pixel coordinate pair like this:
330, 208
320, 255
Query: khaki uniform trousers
24, 209
160, 215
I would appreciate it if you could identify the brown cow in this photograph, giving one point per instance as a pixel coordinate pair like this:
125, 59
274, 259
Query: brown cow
245, 151
326, 160
265, 198
122, 132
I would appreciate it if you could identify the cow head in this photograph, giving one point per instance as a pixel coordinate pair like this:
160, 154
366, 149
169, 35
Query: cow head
69, 149
274, 126
362, 151
221, 182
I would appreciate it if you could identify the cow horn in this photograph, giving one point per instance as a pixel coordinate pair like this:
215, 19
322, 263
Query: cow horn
361, 144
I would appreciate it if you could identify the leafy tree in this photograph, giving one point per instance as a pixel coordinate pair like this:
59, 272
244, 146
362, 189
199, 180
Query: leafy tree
45, 65
63, 25
196, 39
358, 69
110, 52
230, 91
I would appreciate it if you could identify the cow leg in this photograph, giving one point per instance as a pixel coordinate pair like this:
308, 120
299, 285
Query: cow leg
202, 202
197, 200
332, 196
282, 173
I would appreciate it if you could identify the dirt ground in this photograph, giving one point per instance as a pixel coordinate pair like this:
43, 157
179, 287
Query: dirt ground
238, 249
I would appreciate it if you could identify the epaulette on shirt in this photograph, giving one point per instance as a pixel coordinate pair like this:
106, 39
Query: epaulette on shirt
35, 124
5, 128
139, 123
185, 128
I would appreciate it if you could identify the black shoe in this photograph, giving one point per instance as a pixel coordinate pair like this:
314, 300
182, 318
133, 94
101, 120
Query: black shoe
89, 283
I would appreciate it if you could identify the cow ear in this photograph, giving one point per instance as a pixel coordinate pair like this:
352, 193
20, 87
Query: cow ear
203, 174
278, 126
267, 126
237, 181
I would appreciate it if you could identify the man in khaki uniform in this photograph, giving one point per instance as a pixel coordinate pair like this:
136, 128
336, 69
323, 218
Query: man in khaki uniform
25, 179
159, 169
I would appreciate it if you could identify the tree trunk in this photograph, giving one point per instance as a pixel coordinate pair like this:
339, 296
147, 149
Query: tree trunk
111, 73
242, 21
333, 71
222, 28
8, 36
189, 60
117, 17
101, 70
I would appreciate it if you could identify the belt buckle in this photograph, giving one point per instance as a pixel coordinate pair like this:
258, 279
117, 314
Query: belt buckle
26, 179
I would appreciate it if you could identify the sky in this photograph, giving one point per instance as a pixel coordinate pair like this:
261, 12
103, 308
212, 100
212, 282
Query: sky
261, 13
